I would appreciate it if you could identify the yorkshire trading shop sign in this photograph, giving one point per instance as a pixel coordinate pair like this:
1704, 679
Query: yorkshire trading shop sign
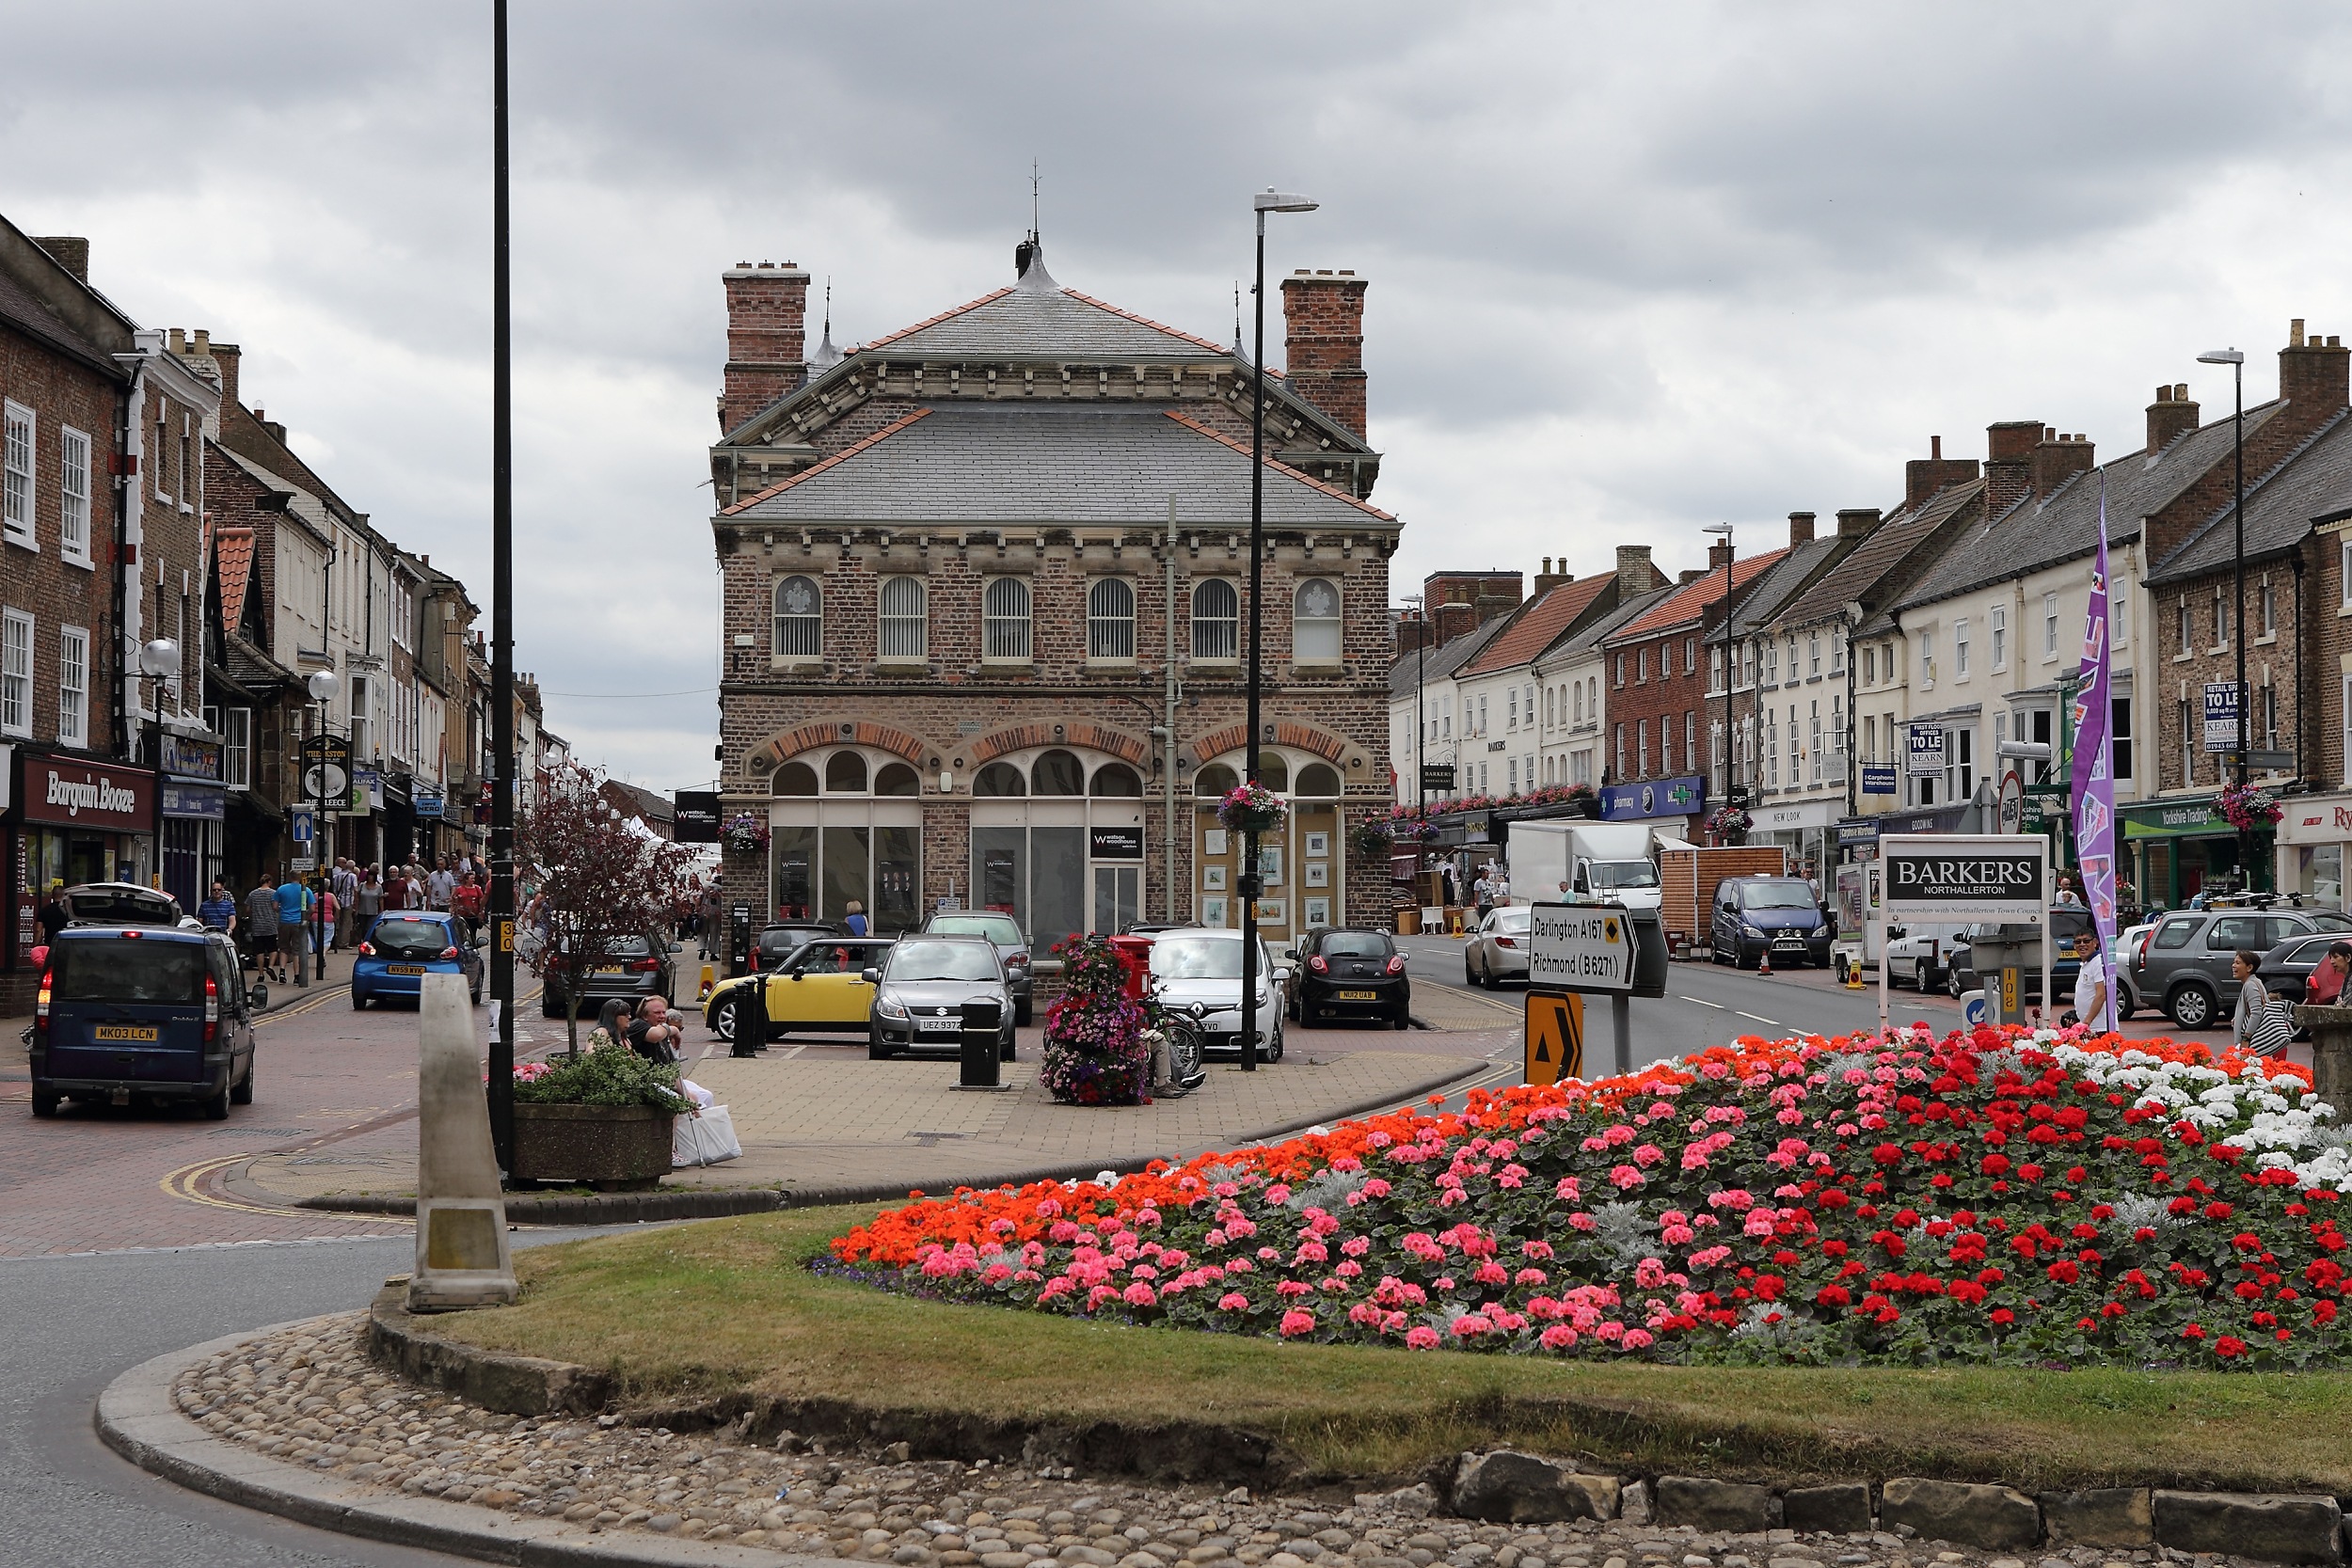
1948, 876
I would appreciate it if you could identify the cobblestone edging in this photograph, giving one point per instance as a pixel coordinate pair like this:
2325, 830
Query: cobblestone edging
300, 1421
709, 1203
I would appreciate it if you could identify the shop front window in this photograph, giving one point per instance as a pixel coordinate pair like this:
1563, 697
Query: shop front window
859, 842
1057, 843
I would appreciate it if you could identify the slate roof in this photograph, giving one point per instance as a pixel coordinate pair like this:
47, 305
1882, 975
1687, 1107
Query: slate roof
1443, 659
1878, 564
1689, 600
2064, 526
1777, 587
1072, 465
2313, 480
1601, 630
1540, 624
1037, 316
303, 507
22, 310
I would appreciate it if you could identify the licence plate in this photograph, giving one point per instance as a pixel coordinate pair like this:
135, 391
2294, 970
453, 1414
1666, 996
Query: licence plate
1788, 942
404, 969
940, 1026
1360, 996
124, 1032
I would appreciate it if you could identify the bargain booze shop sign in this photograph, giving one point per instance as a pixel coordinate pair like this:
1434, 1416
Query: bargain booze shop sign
2002, 877
87, 795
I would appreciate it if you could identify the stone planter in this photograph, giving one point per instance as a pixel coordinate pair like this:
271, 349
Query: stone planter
611, 1148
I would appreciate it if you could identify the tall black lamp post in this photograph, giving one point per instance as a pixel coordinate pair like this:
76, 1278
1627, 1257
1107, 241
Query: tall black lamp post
2236, 361
501, 630
1722, 531
1267, 200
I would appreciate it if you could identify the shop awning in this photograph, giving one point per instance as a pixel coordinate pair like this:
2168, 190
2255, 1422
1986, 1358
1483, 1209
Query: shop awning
2192, 816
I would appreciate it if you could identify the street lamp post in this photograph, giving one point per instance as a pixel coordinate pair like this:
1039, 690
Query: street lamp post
1267, 200
501, 627
2236, 361
1722, 531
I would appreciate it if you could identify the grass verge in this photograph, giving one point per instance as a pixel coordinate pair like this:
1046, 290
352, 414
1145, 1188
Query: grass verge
725, 1307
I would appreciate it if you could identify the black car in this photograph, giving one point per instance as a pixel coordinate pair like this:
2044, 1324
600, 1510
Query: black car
2287, 968
634, 968
1350, 971
780, 941
2066, 921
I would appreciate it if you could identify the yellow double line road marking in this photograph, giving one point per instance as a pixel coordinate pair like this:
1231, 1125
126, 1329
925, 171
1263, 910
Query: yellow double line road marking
181, 1183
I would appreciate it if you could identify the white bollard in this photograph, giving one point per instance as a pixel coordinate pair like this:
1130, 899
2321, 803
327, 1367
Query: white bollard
463, 1259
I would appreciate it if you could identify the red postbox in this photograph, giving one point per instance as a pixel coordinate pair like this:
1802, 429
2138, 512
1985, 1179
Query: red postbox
1134, 954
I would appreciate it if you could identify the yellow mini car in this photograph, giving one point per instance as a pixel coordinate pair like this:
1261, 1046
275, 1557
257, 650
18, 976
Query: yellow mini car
819, 989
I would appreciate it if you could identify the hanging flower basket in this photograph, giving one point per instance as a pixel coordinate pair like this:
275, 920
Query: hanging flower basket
1251, 808
745, 834
1374, 838
2248, 807
1730, 824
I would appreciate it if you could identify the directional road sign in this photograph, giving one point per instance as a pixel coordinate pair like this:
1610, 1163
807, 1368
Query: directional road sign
1580, 947
1555, 1038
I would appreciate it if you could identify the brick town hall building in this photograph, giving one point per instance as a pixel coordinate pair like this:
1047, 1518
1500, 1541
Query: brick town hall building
950, 561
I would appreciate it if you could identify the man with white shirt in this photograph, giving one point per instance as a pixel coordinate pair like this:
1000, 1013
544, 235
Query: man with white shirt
2093, 998
439, 885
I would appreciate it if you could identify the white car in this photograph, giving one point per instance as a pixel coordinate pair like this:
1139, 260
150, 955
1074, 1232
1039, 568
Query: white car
1918, 958
1497, 951
1200, 967
2127, 943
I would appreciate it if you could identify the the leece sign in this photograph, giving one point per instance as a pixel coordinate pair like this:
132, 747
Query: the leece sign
1947, 876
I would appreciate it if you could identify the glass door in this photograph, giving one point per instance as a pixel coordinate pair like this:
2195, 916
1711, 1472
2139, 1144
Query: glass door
1118, 898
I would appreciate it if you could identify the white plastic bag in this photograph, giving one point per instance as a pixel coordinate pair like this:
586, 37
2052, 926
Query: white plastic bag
704, 1099
705, 1138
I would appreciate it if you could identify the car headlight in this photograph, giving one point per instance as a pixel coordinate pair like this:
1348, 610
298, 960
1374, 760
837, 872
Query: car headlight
896, 1011
1748, 930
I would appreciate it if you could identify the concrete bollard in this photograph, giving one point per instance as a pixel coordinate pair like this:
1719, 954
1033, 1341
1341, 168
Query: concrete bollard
2332, 1055
463, 1259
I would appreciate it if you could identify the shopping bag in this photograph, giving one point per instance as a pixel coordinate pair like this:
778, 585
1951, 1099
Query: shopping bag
704, 1138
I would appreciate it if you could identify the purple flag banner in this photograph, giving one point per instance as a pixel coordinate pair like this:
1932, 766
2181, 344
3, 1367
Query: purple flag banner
2093, 780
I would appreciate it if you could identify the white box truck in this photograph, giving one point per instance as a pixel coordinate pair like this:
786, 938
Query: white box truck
1550, 861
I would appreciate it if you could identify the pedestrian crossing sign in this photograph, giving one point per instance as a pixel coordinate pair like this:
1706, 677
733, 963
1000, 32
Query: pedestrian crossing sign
1555, 1038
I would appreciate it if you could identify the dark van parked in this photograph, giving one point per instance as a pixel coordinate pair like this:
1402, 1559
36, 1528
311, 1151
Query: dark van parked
1755, 915
149, 1013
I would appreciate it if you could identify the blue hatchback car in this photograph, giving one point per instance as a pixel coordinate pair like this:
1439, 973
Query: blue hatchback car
405, 945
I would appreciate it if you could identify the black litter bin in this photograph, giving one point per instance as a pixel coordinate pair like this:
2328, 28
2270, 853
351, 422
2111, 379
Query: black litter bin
983, 1027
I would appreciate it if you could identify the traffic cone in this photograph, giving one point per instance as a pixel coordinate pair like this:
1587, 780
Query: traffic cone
709, 978
1853, 973
1764, 964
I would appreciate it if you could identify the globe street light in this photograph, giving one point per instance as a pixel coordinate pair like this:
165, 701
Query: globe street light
1267, 200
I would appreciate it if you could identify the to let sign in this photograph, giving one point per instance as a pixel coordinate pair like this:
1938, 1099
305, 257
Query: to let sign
1580, 947
2221, 716
1924, 751
1947, 876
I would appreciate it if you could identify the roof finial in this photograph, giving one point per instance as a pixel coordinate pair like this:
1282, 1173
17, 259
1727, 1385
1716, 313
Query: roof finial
1028, 257
827, 356
1034, 233
1240, 354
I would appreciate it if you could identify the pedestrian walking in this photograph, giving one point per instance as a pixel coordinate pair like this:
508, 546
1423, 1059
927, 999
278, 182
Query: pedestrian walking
330, 914
440, 885
52, 914
470, 903
260, 915
2325, 988
856, 923
2258, 1025
346, 889
294, 908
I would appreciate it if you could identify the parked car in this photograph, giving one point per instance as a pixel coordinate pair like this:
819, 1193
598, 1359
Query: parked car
634, 968
820, 987
1003, 930
1496, 950
781, 940
2128, 943
1962, 976
1349, 971
401, 948
1776, 914
920, 990
1200, 967
2287, 968
141, 1012
2183, 967
123, 904
1919, 957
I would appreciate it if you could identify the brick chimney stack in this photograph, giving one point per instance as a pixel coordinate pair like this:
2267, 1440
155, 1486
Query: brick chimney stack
1855, 521
1547, 579
1799, 529
1924, 477
2056, 459
2312, 374
1413, 631
1635, 574
2170, 416
227, 355
1456, 616
69, 251
767, 338
1718, 554
1323, 341
2009, 463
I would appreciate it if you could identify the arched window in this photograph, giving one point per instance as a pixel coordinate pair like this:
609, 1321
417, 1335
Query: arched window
1216, 780
1057, 773
1216, 619
896, 778
1116, 778
1005, 611
905, 619
799, 618
1316, 622
845, 774
1111, 619
794, 778
999, 781
1318, 781
1273, 771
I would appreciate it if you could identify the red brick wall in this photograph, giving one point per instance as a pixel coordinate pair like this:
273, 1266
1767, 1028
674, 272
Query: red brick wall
1664, 699
767, 331
1323, 321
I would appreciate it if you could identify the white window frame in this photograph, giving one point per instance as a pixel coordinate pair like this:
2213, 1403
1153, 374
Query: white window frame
1959, 649
1005, 631
18, 473
1216, 625
1318, 639
902, 631
16, 673
73, 686
236, 751
1110, 621
1996, 627
73, 496
803, 637
2049, 626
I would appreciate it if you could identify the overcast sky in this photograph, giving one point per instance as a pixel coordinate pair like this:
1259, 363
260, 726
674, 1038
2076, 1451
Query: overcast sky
1634, 268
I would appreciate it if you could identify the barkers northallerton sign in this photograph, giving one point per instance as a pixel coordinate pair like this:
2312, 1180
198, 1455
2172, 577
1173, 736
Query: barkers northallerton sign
1950, 877
1977, 877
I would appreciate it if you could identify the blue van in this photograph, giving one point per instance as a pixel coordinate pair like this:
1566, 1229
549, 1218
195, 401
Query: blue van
142, 1012
403, 946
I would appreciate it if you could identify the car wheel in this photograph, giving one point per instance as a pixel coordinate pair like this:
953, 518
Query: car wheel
1273, 1052
1470, 975
243, 1093
359, 1002
1004, 1051
1021, 1013
45, 1103
216, 1106
1739, 958
1953, 988
722, 1018
474, 996
549, 1008
2193, 1006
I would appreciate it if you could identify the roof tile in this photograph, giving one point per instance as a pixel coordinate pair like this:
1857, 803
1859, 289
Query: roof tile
1692, 599
1540, 624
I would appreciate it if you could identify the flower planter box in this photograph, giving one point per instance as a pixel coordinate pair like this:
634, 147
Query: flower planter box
611, 1148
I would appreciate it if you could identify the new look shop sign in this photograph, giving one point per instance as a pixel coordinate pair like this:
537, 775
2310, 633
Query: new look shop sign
1948, 876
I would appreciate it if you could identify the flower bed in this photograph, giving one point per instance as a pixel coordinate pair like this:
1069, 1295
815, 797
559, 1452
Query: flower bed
1998, 1198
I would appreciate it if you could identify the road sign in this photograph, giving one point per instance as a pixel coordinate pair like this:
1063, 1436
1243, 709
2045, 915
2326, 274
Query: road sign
1951, 877
2012, 803
1555, 1038
2261, 762
300, 824
1580, 947
303, 863
2221, 716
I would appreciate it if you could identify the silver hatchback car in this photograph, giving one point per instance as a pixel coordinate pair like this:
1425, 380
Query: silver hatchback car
1497, 951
